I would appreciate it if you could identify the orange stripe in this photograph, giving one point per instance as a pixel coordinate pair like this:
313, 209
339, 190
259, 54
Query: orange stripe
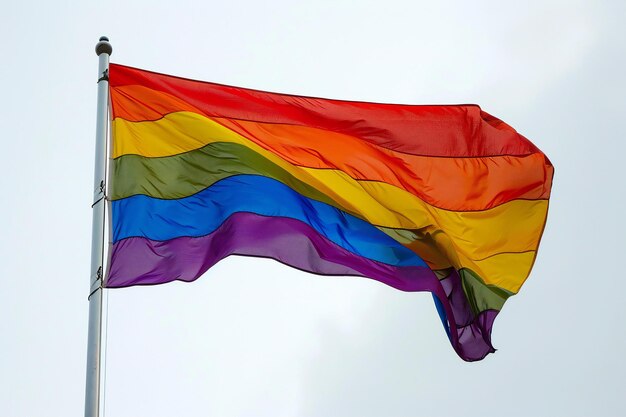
137, 104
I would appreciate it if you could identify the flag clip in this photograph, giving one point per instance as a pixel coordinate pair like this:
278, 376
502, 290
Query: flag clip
97, 284
105, 76
100, 192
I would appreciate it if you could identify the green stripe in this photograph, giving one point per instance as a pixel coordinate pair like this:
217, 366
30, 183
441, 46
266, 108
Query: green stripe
482, 296
403, 236
186, 174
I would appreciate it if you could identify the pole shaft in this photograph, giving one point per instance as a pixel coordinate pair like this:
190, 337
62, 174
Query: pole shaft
92, 386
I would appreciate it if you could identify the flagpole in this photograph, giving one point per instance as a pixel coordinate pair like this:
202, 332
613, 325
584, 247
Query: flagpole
92, 386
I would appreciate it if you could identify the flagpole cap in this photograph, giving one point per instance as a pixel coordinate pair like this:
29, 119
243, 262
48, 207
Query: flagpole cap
104, 47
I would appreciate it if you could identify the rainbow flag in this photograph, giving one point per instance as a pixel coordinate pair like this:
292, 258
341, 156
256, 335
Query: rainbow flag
445, 199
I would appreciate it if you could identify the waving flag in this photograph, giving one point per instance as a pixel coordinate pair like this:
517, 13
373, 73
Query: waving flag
446, 199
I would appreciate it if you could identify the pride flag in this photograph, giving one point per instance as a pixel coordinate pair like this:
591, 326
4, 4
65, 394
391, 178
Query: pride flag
445, 199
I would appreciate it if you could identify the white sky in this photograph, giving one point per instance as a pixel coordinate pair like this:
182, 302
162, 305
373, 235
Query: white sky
255, 338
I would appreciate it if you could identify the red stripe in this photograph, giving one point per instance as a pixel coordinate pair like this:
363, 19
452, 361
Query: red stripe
452, 131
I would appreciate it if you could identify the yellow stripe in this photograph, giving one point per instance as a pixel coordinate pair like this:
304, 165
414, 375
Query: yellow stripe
173, 134
470, 239
506, 270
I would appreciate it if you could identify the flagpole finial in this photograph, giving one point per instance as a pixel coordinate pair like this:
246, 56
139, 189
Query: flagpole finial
104, 47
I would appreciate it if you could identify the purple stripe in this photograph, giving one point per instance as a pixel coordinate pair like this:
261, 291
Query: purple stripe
140, 261
473, 332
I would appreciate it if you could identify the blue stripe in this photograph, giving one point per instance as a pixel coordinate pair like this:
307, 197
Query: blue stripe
202, 213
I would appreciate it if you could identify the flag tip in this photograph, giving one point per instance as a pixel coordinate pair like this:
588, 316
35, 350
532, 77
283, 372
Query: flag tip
104, 47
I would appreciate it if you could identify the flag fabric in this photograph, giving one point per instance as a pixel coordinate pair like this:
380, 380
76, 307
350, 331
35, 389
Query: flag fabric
440, 198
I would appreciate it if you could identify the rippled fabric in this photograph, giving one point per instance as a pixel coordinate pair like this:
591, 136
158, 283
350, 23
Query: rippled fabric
446, 199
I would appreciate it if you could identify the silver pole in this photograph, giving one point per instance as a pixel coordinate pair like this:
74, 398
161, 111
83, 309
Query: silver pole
92, 386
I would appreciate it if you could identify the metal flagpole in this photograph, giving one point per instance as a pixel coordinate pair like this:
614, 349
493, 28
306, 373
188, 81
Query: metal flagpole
92, 386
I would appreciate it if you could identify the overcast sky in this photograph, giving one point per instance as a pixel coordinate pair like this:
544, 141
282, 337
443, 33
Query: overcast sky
253, 337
